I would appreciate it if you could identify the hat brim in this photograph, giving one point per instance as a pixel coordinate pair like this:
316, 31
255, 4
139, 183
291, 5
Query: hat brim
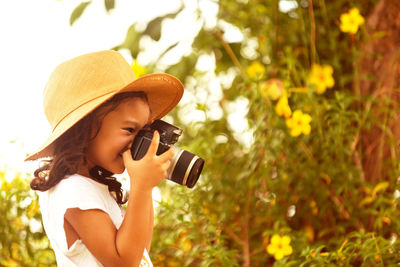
163, 93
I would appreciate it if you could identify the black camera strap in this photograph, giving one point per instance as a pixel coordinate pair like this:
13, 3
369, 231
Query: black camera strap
101, 175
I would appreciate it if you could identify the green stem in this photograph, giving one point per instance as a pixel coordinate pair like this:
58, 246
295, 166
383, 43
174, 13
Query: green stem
312, 31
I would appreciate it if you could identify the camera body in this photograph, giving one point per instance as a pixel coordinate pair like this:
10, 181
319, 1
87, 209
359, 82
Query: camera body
169, 135
185, 167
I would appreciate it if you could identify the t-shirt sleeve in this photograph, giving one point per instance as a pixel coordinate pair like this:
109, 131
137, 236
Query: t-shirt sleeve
75, 192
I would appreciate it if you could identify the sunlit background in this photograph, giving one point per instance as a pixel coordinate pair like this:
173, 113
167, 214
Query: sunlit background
36, 36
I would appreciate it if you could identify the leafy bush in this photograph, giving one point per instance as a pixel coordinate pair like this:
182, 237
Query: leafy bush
22, 239
295, 193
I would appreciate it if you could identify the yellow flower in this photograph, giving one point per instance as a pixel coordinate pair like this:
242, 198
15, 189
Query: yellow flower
15, 251
138, 69
377, 257
4, 186
321, 254
314, 207
299, 123
33, 209
349, 22
255, 70
279, 246
18, 224
186, 246
282, 108
321, 77
272, 88
309, 232
173, 263
299, 90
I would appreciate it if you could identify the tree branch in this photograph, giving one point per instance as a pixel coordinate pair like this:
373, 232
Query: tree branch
231, 54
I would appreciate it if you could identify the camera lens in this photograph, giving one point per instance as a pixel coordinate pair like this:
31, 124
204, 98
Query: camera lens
195, 172
185, 168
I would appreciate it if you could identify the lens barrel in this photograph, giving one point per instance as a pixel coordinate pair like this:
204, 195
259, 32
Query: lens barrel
185, 168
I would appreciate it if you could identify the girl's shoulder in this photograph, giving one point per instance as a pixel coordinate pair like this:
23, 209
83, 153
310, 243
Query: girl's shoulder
77, 180
77, 184
77, 191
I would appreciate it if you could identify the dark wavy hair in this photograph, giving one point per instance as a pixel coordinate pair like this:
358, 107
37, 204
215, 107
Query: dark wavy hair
71, 147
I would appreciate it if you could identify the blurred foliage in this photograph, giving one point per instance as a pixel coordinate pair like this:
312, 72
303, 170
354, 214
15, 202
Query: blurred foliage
304, 187
309, 188
22, 239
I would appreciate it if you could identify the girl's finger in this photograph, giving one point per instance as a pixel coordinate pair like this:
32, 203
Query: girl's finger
154, 144
167, 164
167, 155
127, 156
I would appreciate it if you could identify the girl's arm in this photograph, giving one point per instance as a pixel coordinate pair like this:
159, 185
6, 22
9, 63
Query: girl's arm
125, 246
112, 247
151, 225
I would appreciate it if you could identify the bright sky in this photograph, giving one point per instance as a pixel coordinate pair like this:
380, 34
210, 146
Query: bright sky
36, 37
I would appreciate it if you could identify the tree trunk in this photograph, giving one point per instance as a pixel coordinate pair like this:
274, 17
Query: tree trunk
380, 79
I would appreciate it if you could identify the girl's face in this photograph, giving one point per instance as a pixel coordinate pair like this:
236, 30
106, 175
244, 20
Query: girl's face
118, 129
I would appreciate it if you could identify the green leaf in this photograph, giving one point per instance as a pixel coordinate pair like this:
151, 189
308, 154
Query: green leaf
167, 50
131, 41
153, 28
78, 11
367, 200
109, 4
380, 187
184, 68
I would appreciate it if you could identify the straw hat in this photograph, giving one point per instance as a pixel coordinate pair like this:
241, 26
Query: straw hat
79, 85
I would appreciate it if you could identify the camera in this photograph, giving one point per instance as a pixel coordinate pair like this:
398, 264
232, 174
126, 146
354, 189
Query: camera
185, 167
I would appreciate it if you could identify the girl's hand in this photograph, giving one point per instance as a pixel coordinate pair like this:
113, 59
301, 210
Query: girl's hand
150, 170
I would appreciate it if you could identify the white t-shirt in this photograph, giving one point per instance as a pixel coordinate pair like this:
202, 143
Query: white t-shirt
77, 191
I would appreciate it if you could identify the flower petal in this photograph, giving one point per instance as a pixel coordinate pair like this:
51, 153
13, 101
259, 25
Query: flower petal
330, 82
275, 239
354, 12
271, 249
305, 119
287, 111
306, 129
290, 123
297, 114
320, 89
285, 240
287, 250
278, 255
328, 70
295, 131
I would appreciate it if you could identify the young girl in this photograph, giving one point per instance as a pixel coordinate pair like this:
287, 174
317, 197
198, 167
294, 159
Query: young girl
96, 107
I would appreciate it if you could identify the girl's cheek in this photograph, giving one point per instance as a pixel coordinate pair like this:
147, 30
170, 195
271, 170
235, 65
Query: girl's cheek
126, 141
